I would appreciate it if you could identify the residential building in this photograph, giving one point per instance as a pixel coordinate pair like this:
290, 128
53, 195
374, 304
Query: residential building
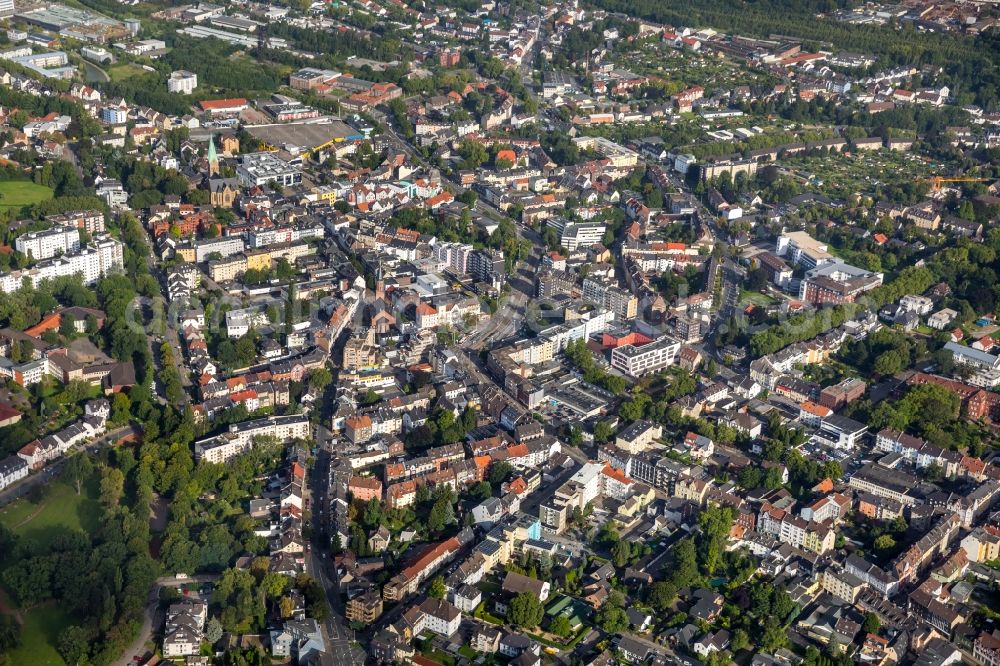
182, 81
636, 361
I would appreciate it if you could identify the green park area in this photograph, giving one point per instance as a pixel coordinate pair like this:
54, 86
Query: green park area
19, 193
123, 72
41, 516
58, 509
39, 634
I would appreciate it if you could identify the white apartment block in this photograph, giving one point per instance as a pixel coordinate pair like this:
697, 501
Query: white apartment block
636, 361
621, 302
92, 262
224, 247
12, 469
182, 81
239, 322
440, 616
575, 236
454, 256
241, 436
90, 220
38, 245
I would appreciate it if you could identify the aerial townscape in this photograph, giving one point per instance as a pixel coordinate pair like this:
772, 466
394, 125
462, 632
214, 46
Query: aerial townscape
489, 332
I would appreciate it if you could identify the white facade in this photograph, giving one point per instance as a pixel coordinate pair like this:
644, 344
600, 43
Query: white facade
241, 436
45, 244
182, 82
225, 247
575, 236
12, 469
263, 168
637, 361
92, 262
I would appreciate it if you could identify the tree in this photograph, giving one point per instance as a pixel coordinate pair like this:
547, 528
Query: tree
373, 513
10, 633
213, 630
73, 644
662, 595
872, 624
603, 431
78, 469
621, 553
525, 610
121, 409
740, 641
560, 626
715, 523
884, 542
438, 516
499, 472
483, 490
684, 571
67, 325
112, 486
319, 378
437, 588
612, 618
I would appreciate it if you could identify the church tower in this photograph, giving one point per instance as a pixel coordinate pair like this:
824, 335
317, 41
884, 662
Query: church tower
213, 158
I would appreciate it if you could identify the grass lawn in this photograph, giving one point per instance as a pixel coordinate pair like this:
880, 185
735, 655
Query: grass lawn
756, 298
482, 614
39, 636
439, 656
19, 193
59, 510
122, 72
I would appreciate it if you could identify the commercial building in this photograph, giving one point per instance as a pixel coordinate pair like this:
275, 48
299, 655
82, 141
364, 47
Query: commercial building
310, 78
881, 481
837, 282
803, 250
575, 236
263, 168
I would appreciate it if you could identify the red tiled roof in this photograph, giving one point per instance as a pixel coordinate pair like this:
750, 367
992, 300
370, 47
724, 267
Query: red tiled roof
218, 104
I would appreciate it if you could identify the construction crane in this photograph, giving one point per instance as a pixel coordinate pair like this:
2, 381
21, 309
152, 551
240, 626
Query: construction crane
936, 181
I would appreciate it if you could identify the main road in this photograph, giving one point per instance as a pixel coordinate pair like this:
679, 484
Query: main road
319, 565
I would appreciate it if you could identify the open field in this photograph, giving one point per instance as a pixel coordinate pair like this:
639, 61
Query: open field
122, 72
20, 193
39, 636
61, 509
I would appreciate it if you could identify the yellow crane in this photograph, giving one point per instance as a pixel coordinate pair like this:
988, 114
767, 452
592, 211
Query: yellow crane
936, 181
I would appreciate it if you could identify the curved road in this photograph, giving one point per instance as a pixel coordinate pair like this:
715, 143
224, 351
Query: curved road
153, 615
